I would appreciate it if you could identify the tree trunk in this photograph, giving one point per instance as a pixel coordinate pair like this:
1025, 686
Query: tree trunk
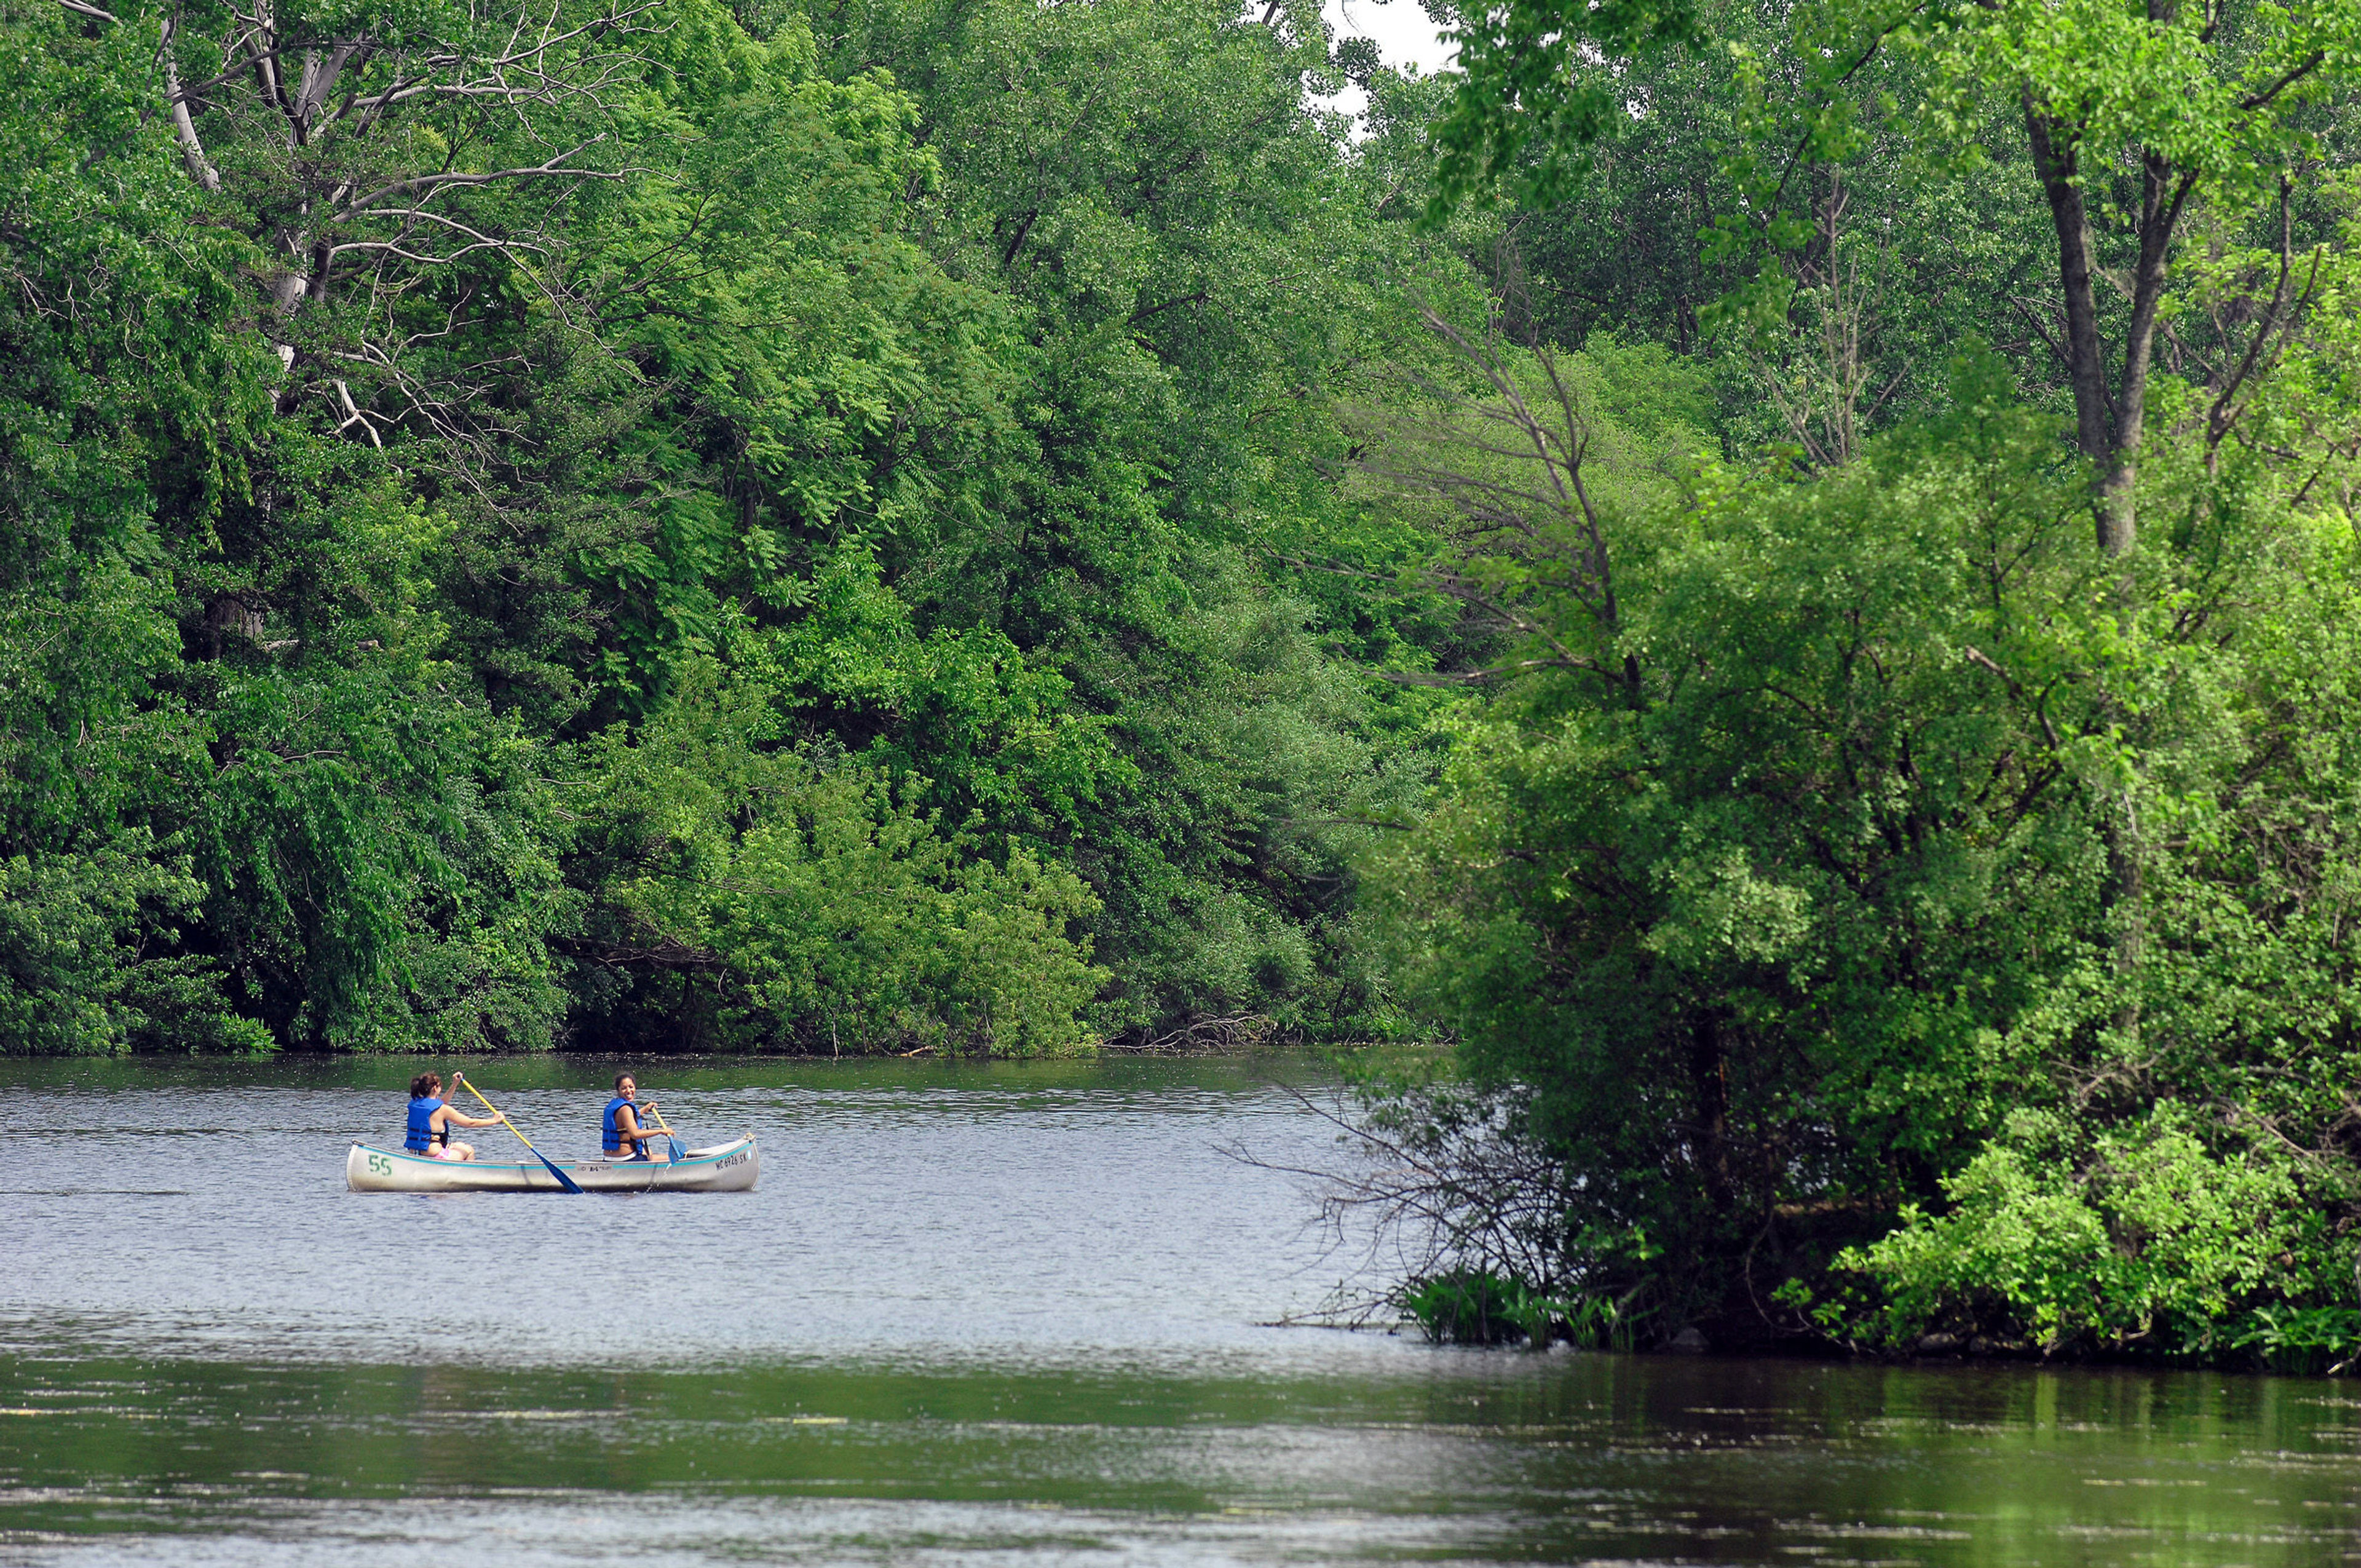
184, 128
2108, 429
1709, 1079
2096, 425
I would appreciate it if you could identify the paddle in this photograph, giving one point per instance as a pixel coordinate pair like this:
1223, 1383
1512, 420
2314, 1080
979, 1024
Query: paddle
563, 1180
670, 1138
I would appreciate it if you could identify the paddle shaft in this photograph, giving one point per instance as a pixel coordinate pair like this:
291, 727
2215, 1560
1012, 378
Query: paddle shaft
666, 1128
563, 1180
496, 1112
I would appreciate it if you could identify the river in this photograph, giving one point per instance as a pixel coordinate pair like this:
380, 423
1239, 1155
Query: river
1003, 1314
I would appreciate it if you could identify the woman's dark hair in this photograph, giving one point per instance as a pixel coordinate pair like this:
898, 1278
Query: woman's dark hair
618, 1082
424, 1084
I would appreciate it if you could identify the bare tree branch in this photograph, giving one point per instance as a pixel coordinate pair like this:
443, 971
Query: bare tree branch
193, 151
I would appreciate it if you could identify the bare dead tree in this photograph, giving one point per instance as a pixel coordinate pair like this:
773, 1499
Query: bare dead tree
1206, 1035
1819, 390
1510, 469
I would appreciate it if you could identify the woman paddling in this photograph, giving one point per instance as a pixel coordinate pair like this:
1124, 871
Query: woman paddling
621, 1134
430, 1121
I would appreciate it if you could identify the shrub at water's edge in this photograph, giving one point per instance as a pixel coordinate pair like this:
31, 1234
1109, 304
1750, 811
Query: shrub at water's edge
1792, 948
1475, 1306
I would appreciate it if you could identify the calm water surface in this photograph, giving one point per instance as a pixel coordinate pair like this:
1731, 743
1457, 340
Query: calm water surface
1002, 1315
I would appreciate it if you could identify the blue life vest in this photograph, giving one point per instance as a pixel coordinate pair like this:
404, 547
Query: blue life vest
614, 1143
423, 1134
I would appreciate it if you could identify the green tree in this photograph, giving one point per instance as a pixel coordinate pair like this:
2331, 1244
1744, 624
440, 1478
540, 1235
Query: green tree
2137, 121
820, 907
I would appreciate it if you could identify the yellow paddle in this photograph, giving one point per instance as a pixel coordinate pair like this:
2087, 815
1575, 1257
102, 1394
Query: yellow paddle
671, 1136
563, 1180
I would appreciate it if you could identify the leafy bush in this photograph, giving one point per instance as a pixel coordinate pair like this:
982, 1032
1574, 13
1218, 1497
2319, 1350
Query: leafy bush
1478, 1306
2301, 1341
1786, 884
1475, 1306
2140, 1237
77, 977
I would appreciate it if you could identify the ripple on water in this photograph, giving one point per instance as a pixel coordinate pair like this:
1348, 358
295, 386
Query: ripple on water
973, 1315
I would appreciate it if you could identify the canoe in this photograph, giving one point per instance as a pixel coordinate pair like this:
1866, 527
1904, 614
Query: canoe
724, 1167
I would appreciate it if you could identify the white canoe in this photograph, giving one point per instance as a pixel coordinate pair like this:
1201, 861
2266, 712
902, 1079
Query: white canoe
724, 1167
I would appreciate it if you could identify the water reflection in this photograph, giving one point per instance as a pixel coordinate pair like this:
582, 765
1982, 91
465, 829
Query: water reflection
1491, 1458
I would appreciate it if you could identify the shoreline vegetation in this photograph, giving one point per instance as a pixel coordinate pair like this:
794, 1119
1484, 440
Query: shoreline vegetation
1488, 1312
1786, 583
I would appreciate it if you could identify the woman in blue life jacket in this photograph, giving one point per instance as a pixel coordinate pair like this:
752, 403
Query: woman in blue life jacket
620, 1132
430, 1121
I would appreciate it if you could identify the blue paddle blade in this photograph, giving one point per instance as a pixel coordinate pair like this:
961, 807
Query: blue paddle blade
563, 1180
674, 1143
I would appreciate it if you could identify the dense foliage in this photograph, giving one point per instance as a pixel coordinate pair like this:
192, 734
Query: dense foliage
1896, 884
648, 525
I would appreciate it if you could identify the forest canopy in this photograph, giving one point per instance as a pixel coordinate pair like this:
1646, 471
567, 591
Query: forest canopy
654, 526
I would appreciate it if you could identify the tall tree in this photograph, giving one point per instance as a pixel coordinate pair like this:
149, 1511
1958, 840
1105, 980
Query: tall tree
2139, 118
